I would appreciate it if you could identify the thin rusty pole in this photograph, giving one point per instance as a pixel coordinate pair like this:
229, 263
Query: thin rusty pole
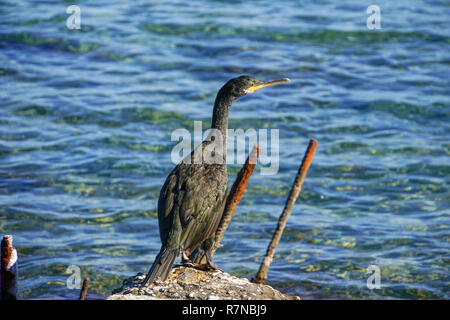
235, 195
261, 276
84, 288
8, 269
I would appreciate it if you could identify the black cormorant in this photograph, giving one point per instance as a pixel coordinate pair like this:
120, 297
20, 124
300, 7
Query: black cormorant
191, 200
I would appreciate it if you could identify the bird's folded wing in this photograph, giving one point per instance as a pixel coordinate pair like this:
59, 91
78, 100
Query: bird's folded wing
196, 194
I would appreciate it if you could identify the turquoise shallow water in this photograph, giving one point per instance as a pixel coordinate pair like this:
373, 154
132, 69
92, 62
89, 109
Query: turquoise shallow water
86, 117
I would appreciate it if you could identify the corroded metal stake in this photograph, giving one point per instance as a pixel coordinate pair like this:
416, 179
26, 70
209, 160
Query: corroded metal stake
8, 269
236, 192
261, 276
84, 288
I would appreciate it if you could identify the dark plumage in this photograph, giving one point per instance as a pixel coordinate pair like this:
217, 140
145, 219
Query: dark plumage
191, 200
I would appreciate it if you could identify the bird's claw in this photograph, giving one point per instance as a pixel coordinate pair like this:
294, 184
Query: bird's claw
186, 261
208, 266
187, 264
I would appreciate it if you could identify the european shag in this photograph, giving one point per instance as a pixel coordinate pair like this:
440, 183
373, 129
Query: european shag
191, 200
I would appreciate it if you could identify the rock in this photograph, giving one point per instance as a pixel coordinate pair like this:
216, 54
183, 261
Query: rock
192, 284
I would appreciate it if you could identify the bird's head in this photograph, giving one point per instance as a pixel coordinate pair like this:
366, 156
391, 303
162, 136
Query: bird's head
243, 85
232, 90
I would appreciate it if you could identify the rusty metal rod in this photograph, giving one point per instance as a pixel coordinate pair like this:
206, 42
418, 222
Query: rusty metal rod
84, 288
261, 276
8, 269
235, 195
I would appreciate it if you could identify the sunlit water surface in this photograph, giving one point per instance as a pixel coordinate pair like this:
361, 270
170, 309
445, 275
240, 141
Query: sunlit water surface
86, 118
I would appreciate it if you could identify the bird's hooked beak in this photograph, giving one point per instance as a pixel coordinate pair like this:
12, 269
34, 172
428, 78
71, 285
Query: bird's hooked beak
266, 84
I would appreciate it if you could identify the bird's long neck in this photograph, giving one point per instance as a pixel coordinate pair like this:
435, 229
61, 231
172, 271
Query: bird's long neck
222, 108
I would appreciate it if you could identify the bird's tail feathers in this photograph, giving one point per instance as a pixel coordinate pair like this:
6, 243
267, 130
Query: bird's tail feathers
161, 266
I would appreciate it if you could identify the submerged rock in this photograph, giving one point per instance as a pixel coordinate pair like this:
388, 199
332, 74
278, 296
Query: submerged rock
187, 283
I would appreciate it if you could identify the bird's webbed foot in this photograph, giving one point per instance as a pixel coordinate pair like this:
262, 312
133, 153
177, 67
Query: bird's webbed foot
201, 257
209, 265
185, 261
197, 256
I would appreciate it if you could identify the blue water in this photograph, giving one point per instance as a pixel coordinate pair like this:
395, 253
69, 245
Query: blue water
86, 118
